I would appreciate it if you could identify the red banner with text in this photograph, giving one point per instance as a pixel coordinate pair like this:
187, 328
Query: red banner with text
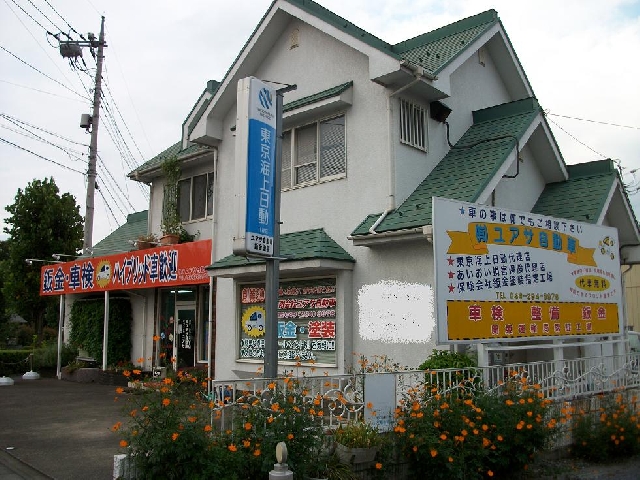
166, 266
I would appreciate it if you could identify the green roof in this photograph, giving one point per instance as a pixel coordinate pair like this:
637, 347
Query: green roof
583, 197
173, 150
466, 169
212, 87
436, 49
303, 245
317, 97
118, 240
433, 50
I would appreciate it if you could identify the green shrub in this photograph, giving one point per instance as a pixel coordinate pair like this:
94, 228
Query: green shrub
453, 436
13, 362
46, 355
87, 327
612, 431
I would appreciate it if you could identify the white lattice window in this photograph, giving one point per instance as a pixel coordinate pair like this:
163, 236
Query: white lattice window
413, 125
314, 152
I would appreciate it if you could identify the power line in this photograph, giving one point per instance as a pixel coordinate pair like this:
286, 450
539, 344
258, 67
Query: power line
41, 91
9, 117
40, 156
50, 21
41, 73
580, 142
65, 21
547, 112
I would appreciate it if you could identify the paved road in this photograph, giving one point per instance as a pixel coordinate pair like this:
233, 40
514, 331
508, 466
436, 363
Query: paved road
52, 428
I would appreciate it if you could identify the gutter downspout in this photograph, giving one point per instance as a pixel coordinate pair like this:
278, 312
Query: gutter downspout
211, 279
418, 73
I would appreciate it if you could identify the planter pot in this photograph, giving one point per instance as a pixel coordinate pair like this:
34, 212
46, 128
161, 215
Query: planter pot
169, 239
142, 245
351, 455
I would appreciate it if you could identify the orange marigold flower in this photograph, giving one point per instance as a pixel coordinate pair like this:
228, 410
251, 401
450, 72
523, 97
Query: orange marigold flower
490, 473
192, 419
369, 405
145, 408
378, 466
434, 452
519, 426
123, 443
450, 459
485, 427
509, 402
232, 448
119, 390
443, 437
156, 338
137, 371
116, 427
175, 436
270, 419
247, 426
256, 452
290, 436
415, 448
133, 413
486, 442
165, 402
207, 428
500, 438
126, 373
246, 443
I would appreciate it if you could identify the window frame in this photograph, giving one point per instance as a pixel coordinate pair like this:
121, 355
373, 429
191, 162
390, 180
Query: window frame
207, 198
293, 146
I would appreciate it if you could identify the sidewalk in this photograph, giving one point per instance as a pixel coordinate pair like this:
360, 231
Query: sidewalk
55, 429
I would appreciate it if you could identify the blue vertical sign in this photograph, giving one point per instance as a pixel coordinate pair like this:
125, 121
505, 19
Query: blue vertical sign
257, 137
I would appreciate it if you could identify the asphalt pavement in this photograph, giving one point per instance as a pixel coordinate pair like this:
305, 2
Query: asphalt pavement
57, 429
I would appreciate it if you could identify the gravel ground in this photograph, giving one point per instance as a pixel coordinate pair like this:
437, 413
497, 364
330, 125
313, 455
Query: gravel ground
575, 469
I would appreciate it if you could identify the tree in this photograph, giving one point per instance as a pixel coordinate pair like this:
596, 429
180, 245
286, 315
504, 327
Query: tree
42, 222
4, 256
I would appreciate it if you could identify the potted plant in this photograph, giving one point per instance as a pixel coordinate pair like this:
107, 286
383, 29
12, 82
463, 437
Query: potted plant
148, 240
357, 442
171, 224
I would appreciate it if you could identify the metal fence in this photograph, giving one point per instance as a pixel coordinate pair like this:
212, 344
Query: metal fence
343, 397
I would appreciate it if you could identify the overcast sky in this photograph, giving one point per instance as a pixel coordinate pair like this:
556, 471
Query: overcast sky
581, 57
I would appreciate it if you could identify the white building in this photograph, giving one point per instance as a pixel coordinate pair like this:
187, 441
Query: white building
370, 137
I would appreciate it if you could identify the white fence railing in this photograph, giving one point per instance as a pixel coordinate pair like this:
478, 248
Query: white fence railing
343, 397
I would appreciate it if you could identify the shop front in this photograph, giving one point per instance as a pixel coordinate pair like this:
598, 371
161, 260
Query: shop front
171, 297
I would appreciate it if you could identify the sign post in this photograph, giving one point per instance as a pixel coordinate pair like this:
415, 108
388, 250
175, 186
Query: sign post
258, 152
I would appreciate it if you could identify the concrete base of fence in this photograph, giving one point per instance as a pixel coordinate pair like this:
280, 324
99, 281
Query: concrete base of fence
122, 468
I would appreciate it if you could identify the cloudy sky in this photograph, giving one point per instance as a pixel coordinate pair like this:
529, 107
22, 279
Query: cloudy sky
581, 57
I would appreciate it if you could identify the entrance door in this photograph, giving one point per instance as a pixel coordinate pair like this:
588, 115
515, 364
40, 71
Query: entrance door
185, 337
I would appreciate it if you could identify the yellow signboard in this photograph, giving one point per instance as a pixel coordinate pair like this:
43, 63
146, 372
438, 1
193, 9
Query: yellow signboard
486, 320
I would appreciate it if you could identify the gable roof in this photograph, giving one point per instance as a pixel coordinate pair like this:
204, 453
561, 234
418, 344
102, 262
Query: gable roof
583, 197
466, 169
432, 51
303, 245
436, 49
118, 240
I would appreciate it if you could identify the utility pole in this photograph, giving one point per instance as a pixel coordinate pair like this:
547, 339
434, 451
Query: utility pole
72, 49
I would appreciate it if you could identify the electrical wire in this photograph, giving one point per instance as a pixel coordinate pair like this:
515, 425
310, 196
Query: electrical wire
50, 21
9, 117
40, 156
42, 91
580, 142
65, 21
547, 112
41, 73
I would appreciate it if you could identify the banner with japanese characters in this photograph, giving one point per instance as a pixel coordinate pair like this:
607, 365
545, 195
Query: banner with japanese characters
506, 275
182, 264
306, 321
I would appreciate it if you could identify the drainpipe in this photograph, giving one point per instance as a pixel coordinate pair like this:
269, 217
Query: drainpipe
213, 257
418, 73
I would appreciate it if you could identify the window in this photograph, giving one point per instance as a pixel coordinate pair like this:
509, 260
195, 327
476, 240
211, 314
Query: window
413, 125
314, 152
195, 197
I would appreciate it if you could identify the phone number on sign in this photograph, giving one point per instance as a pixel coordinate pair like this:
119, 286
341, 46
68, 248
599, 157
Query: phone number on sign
533, 297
